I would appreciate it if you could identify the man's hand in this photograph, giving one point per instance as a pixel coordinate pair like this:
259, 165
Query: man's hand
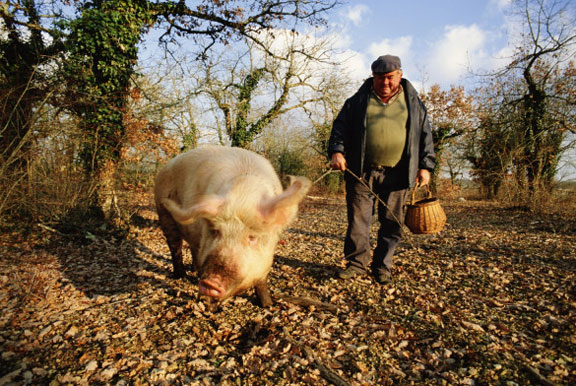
423, 177
338, 162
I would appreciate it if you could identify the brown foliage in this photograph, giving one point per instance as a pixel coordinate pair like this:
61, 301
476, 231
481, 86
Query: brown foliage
146, 142
490, 300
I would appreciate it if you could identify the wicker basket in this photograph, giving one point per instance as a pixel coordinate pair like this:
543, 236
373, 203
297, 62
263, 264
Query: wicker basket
425, 216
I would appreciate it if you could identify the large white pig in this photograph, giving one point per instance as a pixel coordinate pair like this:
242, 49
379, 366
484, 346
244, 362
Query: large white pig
228, 204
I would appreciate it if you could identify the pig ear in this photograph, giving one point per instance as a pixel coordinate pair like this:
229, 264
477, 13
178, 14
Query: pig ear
280, 210
207, 206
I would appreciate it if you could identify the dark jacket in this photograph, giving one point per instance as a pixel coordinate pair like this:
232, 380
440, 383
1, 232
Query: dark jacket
349, 133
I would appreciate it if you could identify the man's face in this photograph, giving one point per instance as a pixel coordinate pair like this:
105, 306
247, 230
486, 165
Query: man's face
386, 85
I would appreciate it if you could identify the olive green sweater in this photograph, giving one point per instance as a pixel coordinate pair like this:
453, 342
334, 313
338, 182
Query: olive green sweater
385, 130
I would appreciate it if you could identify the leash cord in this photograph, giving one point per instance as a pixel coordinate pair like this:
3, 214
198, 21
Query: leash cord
404, 233
324, 175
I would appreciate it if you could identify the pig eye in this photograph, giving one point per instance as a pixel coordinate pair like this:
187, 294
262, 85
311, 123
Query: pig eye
252, 239
214, 232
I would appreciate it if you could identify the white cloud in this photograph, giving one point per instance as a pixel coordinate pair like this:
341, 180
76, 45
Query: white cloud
400, 47
330, 46
354, 64
357, 64
500, 4
460, 49
356, 13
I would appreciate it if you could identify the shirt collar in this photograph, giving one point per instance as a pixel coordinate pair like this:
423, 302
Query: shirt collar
391, 100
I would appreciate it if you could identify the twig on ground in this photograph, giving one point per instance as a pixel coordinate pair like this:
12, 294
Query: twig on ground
327, 373
535, 374
50, 229
306, 301
538, 377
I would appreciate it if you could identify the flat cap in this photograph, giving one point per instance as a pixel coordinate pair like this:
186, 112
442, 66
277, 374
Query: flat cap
386, 63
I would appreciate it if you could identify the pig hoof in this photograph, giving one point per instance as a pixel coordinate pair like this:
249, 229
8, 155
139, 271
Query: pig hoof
266, 301
263, 295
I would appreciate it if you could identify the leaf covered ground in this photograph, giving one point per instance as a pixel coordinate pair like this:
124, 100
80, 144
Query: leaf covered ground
491, 300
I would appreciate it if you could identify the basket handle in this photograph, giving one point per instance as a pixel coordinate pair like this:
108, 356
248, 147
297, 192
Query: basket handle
429, 195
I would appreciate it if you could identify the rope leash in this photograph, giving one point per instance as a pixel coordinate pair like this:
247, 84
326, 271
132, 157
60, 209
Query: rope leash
405, 234
329, 171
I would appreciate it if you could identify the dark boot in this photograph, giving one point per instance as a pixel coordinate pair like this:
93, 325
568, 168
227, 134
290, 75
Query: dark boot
383, 276
349, 273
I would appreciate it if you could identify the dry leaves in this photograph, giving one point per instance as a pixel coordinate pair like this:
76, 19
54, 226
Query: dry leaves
490, 300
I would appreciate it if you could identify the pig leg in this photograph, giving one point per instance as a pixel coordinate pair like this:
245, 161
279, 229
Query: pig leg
175, 245
263, 294
174, 238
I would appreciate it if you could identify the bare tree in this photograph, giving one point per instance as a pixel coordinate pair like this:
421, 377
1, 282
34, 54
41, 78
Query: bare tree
452, 116
283, 73
29, 45
168, 100
537, 106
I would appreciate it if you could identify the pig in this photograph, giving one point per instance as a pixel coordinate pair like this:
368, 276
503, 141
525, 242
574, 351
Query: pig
229, 206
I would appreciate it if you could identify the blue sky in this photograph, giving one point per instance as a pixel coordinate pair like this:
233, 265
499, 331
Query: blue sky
438, 41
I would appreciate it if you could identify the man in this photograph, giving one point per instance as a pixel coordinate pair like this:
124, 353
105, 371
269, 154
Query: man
381, 135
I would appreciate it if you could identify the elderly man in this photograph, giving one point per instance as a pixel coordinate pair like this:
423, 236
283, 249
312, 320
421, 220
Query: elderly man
381, 135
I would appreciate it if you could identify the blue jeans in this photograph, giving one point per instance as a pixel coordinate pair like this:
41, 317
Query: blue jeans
360, 205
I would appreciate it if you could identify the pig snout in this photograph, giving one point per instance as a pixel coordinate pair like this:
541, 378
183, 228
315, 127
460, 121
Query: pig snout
212, 286
218, 281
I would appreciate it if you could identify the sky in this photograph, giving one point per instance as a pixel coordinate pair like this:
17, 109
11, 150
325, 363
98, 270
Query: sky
440, 41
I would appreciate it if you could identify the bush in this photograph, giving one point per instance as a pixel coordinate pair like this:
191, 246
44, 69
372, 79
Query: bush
333, 183
291, 162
